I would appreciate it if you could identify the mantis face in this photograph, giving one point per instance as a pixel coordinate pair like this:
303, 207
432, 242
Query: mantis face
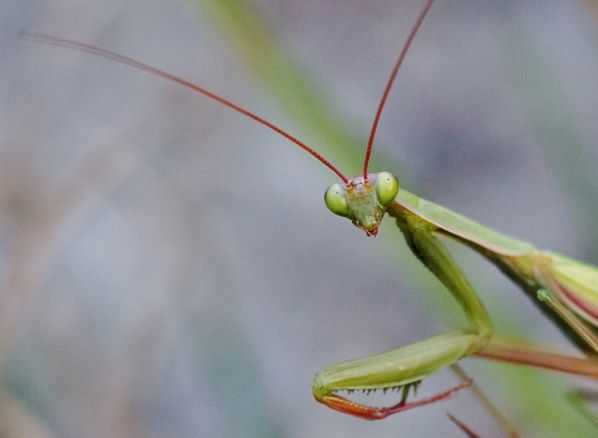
363, 200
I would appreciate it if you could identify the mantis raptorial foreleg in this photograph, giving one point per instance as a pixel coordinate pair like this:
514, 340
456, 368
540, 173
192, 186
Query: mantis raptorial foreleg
410, 364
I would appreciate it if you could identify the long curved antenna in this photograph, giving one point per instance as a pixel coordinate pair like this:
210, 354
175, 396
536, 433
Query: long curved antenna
88, 48
391, 80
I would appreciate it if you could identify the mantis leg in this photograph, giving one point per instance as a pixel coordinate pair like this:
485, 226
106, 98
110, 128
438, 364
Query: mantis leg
405, 367
397, 369
526, 354
568, 287
551, 297
577, 324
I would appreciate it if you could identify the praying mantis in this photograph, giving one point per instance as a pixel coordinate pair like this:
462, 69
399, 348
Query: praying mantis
567, 287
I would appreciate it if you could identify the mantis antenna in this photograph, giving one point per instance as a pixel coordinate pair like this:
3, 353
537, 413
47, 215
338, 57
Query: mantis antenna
390, 82
98, 51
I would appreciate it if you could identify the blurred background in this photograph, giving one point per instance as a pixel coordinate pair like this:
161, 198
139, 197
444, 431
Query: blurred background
168, 267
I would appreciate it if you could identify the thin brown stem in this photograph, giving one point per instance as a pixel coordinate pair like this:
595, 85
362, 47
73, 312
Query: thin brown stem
461, 425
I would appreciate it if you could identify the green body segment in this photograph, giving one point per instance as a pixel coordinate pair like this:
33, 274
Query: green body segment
458, 226
574, 283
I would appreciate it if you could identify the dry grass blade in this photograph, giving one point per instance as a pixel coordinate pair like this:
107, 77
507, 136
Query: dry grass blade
466, 429
500, 419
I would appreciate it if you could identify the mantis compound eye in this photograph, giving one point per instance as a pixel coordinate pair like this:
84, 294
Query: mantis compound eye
387, 188
336, 201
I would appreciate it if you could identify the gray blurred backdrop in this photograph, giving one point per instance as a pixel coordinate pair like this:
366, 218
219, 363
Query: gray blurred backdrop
168, 266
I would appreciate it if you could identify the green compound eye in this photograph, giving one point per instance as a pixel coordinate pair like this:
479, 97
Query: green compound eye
336, 201
387, 187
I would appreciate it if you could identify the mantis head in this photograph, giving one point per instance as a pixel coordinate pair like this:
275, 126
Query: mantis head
363, 200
